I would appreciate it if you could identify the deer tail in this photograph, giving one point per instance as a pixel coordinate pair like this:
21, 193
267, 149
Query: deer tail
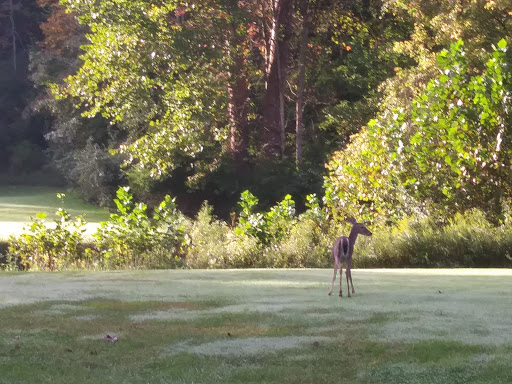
345, 242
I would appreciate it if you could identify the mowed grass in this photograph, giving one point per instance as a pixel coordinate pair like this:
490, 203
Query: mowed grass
19, 203
256, 326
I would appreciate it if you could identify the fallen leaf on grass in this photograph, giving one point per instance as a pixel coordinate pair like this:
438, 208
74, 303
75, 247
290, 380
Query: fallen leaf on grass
110, 338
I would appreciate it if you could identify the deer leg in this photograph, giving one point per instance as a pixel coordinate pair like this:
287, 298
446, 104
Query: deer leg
341, 278
334, 277
347, 274
349, 277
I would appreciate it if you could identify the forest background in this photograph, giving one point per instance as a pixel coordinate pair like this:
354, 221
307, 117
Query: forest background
394, 112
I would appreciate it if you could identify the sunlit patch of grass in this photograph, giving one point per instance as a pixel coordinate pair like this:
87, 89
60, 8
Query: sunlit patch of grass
18, 203
244, 347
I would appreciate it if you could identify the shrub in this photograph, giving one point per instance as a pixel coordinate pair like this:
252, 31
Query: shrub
244, 252
305, 246
250, 222
133, 239
215, 245
208, 245
268, 227
41, 247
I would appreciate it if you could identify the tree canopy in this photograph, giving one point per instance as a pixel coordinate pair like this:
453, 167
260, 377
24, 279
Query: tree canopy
448, 152
405, 101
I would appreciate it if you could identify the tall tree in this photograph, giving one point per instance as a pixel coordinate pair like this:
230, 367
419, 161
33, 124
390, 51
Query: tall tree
195, 83
278, 32
78, 147
173, 74
299, 103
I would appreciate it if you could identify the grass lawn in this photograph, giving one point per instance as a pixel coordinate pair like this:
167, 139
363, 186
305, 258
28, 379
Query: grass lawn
18, 204
256, 326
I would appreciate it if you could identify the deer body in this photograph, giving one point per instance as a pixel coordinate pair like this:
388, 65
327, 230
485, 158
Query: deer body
342, 250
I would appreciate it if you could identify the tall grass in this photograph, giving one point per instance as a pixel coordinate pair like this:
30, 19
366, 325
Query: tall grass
467, 240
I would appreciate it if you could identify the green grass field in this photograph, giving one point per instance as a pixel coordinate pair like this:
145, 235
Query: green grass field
256, 326
18, 204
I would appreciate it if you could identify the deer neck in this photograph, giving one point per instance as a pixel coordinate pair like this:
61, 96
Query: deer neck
353, 236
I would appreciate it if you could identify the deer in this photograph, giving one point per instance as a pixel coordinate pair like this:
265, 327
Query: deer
343, 249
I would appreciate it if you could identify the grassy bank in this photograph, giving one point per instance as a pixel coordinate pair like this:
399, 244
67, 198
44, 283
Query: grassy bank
256, 326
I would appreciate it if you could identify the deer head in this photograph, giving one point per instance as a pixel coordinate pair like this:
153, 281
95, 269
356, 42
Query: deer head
359, 228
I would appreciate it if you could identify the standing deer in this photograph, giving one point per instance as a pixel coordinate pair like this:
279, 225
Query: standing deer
342, 250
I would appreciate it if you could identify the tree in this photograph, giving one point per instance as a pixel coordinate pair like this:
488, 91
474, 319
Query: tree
434, 26
350, 53
277, 42
454, 148
307, 11
199, 85
78, 147
173, 75
449, 150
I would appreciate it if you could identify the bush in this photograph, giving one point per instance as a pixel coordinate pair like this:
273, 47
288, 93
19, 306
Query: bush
215, 245
268, 227
208, 245
305, 246
41, 247
132, 239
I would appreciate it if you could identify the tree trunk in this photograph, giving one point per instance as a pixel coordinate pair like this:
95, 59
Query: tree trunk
238, 144
299, 105
237, 115
276, 73
13, 34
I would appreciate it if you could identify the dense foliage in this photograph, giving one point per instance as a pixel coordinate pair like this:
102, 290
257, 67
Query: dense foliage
204, 96
131, 238
277, 238
408, 103
447, 153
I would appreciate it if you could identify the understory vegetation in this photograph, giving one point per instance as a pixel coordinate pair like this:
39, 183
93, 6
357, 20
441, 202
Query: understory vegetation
163, 237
